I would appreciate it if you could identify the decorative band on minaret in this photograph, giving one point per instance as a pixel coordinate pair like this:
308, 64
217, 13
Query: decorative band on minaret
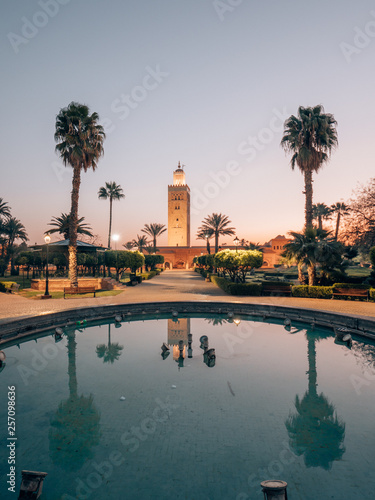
179, 210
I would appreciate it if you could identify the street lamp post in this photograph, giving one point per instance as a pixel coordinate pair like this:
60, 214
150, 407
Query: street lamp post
46, 295
236, 242
115, 238
207, 236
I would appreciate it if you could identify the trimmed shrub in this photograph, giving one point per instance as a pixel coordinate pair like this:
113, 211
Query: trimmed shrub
371, 294
351, 285
312, 292
5, 285
250, 289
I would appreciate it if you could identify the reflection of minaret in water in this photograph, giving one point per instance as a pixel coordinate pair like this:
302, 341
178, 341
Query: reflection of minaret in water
179, 330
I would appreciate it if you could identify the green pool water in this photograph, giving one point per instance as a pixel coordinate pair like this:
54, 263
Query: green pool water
106, 416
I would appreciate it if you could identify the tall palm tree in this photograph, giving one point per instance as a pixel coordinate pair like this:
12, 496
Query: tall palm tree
321, 212
218, 224
111, 352
315, 431
206, 235
141, 242
341, 209
112, 191
79, 140
61, 225
310, 137
75, 427
154, 230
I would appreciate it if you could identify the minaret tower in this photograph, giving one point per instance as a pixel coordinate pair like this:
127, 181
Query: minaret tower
179, 210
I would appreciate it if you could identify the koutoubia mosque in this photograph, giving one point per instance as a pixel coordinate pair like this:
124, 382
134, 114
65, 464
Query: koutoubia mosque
179, 254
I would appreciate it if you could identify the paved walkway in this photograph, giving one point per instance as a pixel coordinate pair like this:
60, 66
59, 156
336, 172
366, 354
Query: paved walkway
171, 286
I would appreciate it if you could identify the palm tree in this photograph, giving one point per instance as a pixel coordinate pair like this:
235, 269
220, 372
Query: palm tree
4, 209
75, 427
79, 140
61, 225
321, 212
315, 431
154, 230
112, 191
206, 235
310, 137
218, 225
141, 242
13, 230
310, 248
111, 352
341, 209
128, 245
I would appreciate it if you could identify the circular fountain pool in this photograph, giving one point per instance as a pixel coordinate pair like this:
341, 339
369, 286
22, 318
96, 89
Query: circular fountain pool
106, 412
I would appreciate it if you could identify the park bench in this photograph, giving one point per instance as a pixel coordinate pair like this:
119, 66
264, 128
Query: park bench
80, 290
276, 289
350, 292
13, 288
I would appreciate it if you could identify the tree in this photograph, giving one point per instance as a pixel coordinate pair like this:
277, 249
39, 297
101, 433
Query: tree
206, 235
217, 224
128, 245
12, 230
315, 431
237, 263
4, 209
61, 225
110, 352
310, 248
79, 140
310, 137
359, 225
112, 191
140, 242
152, 260
154, 230
341, 209
321, 212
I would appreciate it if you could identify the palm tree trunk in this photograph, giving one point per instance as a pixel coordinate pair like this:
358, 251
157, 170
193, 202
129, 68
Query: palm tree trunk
73, 226
155, 243
72, 371
337, 225
312, 274
312, 374
110, 222
301, 277
320, 222
308, 199
216, 242
208, 247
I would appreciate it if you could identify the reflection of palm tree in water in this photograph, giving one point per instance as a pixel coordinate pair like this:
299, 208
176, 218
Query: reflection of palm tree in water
111, 352
315, 431
75, 428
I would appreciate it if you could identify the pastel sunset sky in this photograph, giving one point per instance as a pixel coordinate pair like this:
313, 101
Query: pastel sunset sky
205, 82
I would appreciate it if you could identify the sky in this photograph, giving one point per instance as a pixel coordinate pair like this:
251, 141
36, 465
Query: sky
205, 82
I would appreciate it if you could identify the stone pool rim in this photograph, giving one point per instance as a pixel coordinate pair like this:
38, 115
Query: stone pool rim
21, 328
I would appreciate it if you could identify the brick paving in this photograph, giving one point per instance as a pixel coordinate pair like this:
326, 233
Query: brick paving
171, 286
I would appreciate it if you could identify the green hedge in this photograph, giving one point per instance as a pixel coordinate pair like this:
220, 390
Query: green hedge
148, 275
351, 285
252, 289
312, 292
5, 285
276, 283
